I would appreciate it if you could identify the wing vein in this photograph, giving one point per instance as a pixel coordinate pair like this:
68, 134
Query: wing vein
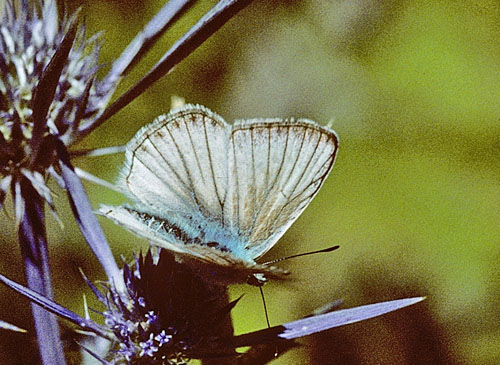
298, 154
182, 183
193, 148
307, 165
276, 216
313, 182
236, 183
188, 173
221, 203
276, 178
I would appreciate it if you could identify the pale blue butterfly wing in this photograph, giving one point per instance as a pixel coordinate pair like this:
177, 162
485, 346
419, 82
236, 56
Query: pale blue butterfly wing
209, 261
279, 166
218, 193
179, 164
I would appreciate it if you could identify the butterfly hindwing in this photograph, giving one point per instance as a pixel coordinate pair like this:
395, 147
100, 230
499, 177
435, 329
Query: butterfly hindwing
223, 266
279, 166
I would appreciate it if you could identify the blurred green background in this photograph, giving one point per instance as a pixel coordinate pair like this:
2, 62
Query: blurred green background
413, 89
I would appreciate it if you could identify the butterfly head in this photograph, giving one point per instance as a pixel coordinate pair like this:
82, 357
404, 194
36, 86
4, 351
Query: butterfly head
256, 279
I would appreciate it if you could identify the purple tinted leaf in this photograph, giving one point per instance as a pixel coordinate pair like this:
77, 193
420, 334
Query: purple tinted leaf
212, 21
85, 217
9, 9
58, 178
49, 14
55, 308
10, 327
329, 307
33, 241
18, 202
38, 182
310, 325
94, 289
46, 88
96, 180
307, 326
94, 152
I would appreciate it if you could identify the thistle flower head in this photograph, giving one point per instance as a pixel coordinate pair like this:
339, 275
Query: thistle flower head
167, 320
47, 70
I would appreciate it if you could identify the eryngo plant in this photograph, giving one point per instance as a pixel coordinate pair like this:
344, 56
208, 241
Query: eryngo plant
50, 98
47, 72
168, 314
46, 90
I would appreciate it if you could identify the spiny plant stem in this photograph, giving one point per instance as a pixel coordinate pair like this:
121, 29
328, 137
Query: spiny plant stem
33, 241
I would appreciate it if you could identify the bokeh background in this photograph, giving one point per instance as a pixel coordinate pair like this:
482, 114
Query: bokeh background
413, 90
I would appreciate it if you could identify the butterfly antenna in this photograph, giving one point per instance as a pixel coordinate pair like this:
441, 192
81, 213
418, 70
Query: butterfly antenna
267, 317
329, 249
265, 306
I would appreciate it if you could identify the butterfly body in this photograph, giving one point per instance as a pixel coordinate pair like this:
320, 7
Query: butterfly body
221, 195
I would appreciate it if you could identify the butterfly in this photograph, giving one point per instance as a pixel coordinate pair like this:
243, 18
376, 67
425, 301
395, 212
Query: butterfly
219, 195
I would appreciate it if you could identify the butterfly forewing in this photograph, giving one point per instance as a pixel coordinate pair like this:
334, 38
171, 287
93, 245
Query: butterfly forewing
179, 164
278, 167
